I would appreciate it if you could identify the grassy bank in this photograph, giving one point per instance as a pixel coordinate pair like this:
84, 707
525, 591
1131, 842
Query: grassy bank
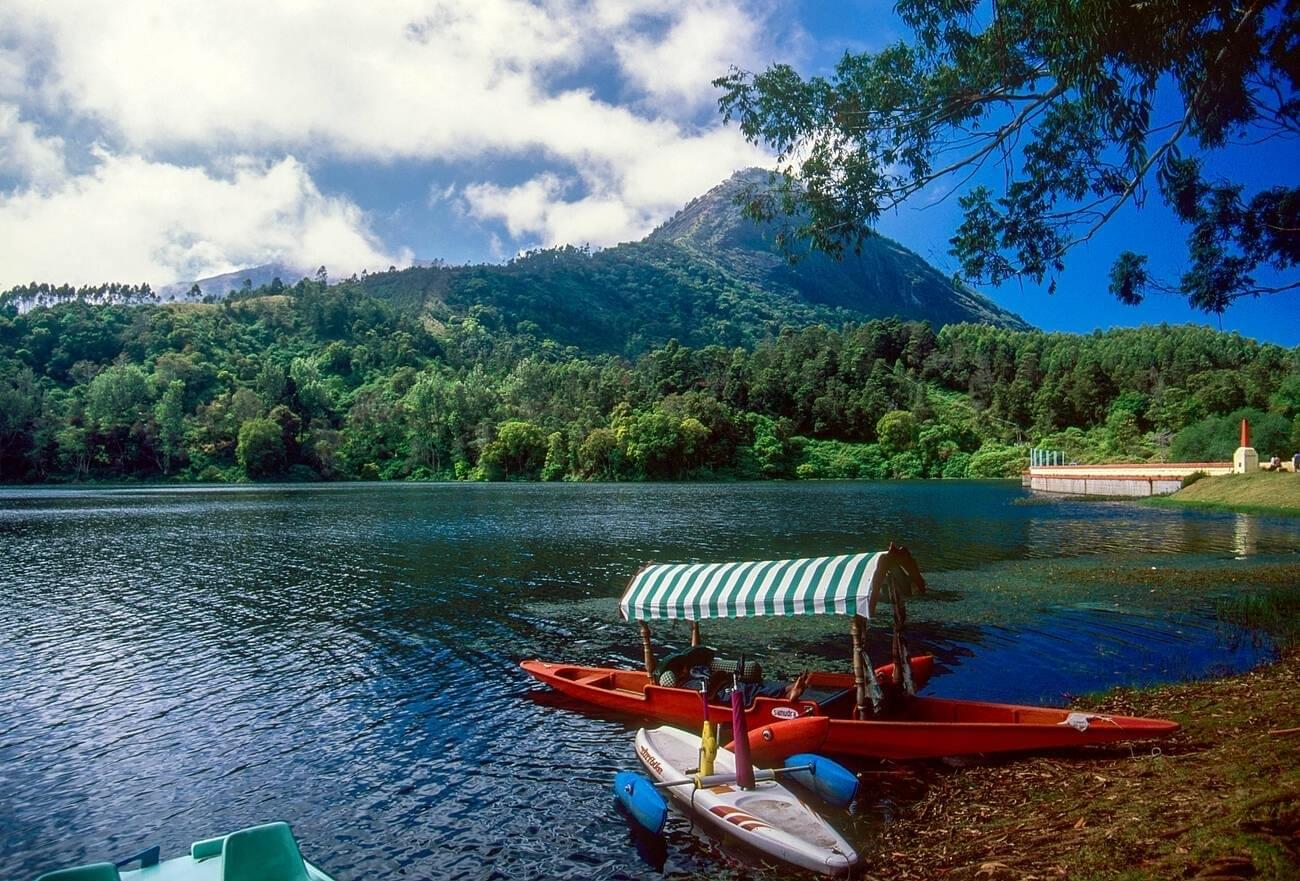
1261, 493
1221, 799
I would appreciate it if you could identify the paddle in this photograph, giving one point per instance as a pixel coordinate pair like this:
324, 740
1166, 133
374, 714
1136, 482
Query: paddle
720, 779
830, 780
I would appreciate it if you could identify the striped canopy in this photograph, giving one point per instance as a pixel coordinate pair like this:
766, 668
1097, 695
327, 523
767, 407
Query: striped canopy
844, 585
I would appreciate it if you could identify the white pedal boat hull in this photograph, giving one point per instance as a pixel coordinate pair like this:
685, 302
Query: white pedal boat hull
770, 818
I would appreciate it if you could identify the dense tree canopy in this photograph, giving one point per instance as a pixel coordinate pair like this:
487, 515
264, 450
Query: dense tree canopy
1086, 106
326, 382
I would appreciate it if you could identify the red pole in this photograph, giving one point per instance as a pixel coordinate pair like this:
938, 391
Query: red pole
1245, 433
740, 736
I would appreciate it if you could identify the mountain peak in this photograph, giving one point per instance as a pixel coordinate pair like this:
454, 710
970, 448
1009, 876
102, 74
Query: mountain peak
716, 213
882, 278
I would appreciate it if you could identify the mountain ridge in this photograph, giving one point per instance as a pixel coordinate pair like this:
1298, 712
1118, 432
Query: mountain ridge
708, 275
881, 270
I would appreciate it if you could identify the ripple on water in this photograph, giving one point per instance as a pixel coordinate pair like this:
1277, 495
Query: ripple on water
185, 662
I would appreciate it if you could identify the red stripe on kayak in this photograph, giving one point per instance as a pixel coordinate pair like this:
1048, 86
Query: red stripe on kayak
737, 817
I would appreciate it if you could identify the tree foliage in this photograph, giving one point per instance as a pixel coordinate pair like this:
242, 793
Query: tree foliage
260, 449
1086, 106
329, 383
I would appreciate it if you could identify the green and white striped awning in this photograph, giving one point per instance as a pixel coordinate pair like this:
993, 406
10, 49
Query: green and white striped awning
844, 585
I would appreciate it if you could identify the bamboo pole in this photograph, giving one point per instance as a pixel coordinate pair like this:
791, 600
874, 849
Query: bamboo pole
695, 633
649, 651
859, 671
902, 661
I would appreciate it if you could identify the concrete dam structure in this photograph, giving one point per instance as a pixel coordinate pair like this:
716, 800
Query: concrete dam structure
1119, 480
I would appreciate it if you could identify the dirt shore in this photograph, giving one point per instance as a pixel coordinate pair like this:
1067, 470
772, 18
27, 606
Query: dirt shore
1220, 799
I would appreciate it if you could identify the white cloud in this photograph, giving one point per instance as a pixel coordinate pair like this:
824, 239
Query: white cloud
12, 72
677, 70
537, 210
523, 208
401, 78
136, 220
25, 153
462, 82
621, 202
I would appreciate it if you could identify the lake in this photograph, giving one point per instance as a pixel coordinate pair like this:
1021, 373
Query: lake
181, 662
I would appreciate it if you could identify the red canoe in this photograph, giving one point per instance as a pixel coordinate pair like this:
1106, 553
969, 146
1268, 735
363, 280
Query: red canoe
630, 691
920, 727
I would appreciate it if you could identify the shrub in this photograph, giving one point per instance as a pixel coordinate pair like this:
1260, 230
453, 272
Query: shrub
995, 460
957, 466
1192, 478
261, 449
830, 459
897, 431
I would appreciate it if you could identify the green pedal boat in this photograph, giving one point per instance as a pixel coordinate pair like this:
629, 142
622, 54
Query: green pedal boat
260, 853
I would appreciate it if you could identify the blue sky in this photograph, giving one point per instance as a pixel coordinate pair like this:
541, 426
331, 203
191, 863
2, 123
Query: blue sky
163, 141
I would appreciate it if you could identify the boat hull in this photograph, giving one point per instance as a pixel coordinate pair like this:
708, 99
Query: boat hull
769, 818
269, 851
630, 691
771, 744
923, 727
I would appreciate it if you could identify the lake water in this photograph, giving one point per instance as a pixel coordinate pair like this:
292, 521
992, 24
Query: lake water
179, 663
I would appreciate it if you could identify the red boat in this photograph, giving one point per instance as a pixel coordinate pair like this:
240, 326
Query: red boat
857, 714
631, 691
821, 720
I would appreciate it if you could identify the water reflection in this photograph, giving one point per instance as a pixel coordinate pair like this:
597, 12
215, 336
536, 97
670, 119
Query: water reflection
1245, 537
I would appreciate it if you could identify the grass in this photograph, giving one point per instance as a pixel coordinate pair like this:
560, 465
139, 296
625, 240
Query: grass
1261, 493
1275, 610
1220, 799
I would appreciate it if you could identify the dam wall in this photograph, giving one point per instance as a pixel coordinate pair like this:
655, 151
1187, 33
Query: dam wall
1118, 480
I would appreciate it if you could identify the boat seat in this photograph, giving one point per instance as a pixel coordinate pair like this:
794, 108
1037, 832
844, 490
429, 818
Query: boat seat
825, 696
91, 872
262, 853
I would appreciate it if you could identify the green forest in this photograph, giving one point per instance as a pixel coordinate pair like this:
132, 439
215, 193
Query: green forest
328, 382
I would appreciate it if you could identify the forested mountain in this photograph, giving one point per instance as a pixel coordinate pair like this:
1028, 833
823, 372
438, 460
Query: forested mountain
217, 287
318, 381
883, 279
707, 276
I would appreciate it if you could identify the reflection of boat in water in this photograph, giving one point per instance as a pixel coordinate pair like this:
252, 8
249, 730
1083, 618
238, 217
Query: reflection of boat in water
872, 712
259, 853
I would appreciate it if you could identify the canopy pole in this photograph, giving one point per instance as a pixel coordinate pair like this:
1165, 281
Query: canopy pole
902, 661
859, 672
649, 651
695, 633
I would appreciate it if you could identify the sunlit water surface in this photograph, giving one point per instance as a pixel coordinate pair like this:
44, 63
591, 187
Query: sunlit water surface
183, 662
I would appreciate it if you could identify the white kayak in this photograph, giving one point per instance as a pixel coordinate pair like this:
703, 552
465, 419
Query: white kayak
769, 818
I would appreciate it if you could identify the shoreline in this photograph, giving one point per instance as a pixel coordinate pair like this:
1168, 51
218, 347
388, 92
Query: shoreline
1268, 493
1172, 504
1219, 799
716, 479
